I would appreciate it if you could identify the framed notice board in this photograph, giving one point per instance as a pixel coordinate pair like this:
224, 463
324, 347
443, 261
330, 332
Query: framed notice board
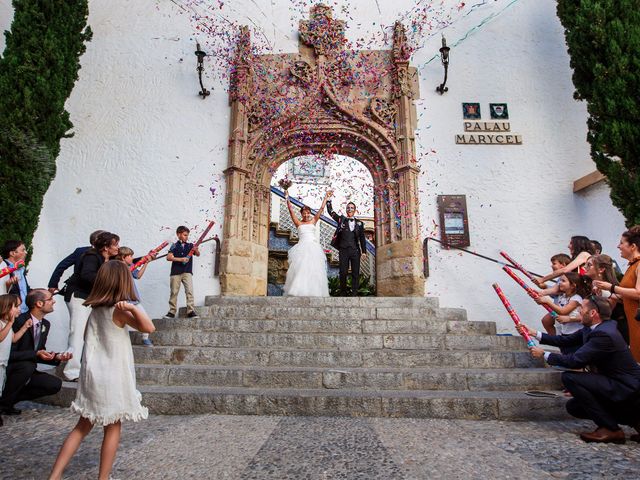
454, 224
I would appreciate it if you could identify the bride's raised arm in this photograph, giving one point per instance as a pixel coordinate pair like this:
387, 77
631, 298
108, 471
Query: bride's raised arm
294, 217
321, 209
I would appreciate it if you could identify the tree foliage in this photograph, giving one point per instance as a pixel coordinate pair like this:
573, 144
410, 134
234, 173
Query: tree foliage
603, 37
37, 72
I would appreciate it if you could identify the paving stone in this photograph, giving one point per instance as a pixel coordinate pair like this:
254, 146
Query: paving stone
274, 448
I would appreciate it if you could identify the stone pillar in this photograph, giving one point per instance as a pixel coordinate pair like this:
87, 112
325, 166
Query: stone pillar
243, 260
399, 264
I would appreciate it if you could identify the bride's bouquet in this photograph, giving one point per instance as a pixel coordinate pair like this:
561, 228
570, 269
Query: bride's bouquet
285, 183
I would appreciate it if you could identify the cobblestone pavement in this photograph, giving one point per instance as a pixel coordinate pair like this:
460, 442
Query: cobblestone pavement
252, 447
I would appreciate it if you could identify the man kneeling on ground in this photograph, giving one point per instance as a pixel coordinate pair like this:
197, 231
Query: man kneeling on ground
23, 381
609, 392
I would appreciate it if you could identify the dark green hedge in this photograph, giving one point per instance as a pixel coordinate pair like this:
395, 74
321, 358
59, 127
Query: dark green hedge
603, 37
37, 72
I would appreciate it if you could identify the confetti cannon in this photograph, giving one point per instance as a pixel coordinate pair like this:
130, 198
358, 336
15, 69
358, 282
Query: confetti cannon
147, 258
9, 270
514, 315
204, 234
519, 267
532, 293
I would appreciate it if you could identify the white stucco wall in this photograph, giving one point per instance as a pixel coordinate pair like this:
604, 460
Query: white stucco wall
146, 148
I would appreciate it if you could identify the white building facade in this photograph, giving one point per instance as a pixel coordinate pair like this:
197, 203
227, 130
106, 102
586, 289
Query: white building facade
148, 153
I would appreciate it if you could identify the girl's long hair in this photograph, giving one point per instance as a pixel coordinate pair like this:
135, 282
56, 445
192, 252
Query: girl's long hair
581, 283
7, 302
113, 284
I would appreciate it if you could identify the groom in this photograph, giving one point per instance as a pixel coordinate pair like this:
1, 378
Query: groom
350, 242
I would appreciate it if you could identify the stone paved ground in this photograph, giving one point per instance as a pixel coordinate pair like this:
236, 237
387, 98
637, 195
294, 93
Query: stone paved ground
251, 447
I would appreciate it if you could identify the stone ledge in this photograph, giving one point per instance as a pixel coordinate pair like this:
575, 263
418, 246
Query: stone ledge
415, 404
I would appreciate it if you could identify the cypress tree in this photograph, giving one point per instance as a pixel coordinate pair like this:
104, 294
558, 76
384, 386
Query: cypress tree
37, 73
603, 38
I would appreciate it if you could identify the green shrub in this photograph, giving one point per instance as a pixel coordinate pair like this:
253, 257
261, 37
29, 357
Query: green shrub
603, 38
365, 289
37, 72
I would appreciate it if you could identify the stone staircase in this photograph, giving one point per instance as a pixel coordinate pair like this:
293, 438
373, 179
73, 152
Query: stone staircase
388, 357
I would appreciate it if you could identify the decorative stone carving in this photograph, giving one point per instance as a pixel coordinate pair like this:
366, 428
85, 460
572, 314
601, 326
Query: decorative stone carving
243, 47
322, 32
241, 65
403, 86
320, 99
383, 111
401, 49
303, 72
339, 72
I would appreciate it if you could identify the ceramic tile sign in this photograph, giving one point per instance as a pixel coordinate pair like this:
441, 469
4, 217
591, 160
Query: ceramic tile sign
494, 132
471, 111
499, 111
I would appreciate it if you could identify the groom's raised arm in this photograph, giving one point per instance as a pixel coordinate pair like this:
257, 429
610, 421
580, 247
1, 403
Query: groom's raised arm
330, 211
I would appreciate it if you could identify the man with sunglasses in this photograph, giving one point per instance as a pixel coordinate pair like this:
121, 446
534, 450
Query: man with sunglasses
609, 392
350, 241
23, 381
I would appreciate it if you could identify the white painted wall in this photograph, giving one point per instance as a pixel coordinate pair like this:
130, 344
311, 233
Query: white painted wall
147, 149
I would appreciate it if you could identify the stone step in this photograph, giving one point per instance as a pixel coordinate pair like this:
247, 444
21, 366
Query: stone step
333, 302
327, 312
350, 378
261, 357
469, 405
346, 341
325, 326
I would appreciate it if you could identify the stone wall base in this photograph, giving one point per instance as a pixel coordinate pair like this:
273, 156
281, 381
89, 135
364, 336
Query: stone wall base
399, 269
244, 268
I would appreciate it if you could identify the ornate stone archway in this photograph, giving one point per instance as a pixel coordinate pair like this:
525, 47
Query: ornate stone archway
323, 99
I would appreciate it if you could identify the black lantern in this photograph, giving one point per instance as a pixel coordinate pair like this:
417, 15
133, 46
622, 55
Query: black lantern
200, 55
444, 57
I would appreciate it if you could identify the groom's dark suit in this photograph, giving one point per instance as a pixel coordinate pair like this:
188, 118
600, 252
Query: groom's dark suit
350, 241
610, 392
24, 382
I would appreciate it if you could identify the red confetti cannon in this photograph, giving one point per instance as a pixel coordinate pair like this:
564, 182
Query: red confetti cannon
204, 234
147, 258
532, 293
513, 314
519, 267
9, 270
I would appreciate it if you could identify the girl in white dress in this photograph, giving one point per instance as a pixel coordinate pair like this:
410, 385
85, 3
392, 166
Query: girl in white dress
107, 385
307, 273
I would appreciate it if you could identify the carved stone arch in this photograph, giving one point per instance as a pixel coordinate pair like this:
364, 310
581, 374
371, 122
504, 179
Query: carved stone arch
288, 105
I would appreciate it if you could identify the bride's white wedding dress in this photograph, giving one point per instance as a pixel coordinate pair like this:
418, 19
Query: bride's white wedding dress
307, 274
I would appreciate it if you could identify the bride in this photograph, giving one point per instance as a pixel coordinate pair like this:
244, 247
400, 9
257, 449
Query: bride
307, 273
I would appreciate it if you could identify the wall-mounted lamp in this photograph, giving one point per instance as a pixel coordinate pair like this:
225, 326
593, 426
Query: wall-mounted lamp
444, 57
200, 55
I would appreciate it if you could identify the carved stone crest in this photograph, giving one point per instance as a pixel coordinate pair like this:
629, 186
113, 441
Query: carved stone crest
303, 72
383, 111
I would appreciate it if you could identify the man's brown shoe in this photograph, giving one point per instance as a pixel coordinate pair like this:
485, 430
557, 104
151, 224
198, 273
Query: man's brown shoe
603, 435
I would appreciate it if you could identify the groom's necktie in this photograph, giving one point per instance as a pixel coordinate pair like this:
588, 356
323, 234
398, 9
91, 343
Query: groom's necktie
36, 335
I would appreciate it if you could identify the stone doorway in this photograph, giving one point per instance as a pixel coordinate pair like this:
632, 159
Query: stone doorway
325, 99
